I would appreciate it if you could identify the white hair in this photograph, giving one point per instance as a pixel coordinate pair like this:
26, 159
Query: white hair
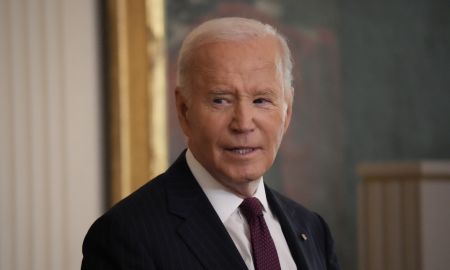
233, 29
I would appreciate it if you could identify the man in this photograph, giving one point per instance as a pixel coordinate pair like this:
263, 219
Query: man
234, 103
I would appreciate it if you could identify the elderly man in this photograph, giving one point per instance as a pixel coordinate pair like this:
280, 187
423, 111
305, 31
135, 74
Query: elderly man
211, 209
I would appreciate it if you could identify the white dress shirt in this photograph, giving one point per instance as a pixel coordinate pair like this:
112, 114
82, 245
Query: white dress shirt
227, 204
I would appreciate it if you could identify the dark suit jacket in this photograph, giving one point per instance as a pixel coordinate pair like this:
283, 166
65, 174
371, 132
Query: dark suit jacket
169, 223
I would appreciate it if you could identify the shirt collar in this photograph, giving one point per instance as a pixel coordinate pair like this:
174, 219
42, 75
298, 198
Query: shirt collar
222, 199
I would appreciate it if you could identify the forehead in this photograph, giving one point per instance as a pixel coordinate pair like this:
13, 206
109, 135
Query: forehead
237, 57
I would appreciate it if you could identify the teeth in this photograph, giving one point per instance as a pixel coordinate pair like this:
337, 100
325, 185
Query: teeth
243, 151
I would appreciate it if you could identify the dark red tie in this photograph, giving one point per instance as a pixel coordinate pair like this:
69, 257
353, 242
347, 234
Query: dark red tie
265, 254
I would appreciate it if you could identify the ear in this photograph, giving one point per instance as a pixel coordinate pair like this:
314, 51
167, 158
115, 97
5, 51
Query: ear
182, 111
288, 116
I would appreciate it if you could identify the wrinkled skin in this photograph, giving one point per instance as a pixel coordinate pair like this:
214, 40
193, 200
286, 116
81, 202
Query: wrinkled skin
237, 112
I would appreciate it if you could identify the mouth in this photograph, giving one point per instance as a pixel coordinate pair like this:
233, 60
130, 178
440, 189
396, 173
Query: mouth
242, 150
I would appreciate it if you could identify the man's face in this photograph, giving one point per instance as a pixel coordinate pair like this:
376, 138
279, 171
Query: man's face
237, 112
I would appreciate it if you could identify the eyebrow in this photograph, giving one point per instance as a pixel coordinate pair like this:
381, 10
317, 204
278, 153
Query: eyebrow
218, 91
265, 92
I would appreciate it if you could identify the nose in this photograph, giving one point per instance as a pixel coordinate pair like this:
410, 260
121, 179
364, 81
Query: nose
243, 118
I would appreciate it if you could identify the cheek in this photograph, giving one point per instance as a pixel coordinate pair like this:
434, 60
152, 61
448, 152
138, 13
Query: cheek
210, 127
273, 122
274, 130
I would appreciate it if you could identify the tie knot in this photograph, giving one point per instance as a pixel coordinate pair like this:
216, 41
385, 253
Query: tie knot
251, 208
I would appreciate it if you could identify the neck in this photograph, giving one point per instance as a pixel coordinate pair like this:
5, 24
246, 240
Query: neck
243, 190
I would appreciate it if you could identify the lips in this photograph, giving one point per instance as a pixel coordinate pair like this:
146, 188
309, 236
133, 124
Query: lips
242, 150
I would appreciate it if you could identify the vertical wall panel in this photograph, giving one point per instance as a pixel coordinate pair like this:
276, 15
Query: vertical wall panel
81, 128
362, 227
7, 246
55, 113
435, 224
411, 231
38, 144
393, 225
375, 233
50, 176
411, 226
21, 138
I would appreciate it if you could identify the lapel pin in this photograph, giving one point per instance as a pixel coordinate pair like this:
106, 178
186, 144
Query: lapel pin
304, 237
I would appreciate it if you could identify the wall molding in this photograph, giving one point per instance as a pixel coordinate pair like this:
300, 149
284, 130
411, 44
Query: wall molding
50, 162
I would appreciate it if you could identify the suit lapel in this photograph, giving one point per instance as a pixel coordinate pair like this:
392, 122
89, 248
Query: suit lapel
203, 231
292, 232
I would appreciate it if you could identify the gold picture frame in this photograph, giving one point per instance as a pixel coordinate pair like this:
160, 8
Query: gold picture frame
137, 93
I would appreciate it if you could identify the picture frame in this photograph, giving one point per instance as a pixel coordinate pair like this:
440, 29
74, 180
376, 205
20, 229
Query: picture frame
136, 89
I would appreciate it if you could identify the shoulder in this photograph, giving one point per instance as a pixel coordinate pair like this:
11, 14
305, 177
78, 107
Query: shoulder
292, 208
299, 217
150, 202
127, 231
151, 195
132, 212
303, 221
121, 237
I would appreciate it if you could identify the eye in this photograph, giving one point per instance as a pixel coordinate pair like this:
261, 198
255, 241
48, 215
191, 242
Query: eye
219, 100
259, 100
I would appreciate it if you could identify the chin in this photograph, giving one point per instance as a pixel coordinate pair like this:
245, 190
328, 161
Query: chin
245, 177
242, 173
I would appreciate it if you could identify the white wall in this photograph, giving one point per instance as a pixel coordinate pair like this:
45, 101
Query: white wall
50, 161
435, 224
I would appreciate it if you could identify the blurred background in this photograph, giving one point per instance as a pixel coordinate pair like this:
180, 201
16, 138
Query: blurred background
371, 79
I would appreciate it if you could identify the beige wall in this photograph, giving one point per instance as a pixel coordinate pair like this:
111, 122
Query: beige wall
435, 224
404, 216
50, 167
